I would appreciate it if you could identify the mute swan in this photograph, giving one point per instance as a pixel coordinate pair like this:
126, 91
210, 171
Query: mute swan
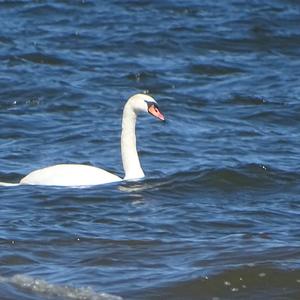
82, 175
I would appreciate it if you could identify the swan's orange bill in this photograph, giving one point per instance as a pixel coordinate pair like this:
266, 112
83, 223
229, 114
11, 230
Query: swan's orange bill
154, 111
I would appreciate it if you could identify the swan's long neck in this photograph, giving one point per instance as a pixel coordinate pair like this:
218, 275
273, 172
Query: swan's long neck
130, 158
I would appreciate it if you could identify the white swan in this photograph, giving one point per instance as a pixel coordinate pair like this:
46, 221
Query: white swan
82, 175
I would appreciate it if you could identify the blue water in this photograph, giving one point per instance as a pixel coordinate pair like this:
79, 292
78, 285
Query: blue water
217, 216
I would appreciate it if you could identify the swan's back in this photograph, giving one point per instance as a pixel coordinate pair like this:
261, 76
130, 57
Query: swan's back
70, 175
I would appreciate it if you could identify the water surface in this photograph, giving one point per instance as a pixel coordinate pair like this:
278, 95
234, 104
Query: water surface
217, 216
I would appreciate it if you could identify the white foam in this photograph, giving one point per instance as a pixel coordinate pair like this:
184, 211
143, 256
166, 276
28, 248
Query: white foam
64, 291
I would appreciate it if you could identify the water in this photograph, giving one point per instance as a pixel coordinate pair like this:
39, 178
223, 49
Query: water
217, 216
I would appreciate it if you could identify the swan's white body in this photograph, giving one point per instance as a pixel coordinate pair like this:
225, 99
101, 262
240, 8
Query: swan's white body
82, 175
70, 175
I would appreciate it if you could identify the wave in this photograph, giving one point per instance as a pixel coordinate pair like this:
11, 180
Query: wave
248, 176
64, 291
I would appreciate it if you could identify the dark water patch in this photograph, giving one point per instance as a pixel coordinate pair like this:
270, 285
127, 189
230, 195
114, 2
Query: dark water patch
11, 4
261, 45
286, 116
5, 40
14, 260
41, 58
247, 100
213, 70
259, 281
45, 9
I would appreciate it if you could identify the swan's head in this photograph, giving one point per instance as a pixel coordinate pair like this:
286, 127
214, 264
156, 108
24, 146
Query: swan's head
145, 103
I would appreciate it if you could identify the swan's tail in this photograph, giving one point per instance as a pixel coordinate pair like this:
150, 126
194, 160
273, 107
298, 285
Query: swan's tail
8, 184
